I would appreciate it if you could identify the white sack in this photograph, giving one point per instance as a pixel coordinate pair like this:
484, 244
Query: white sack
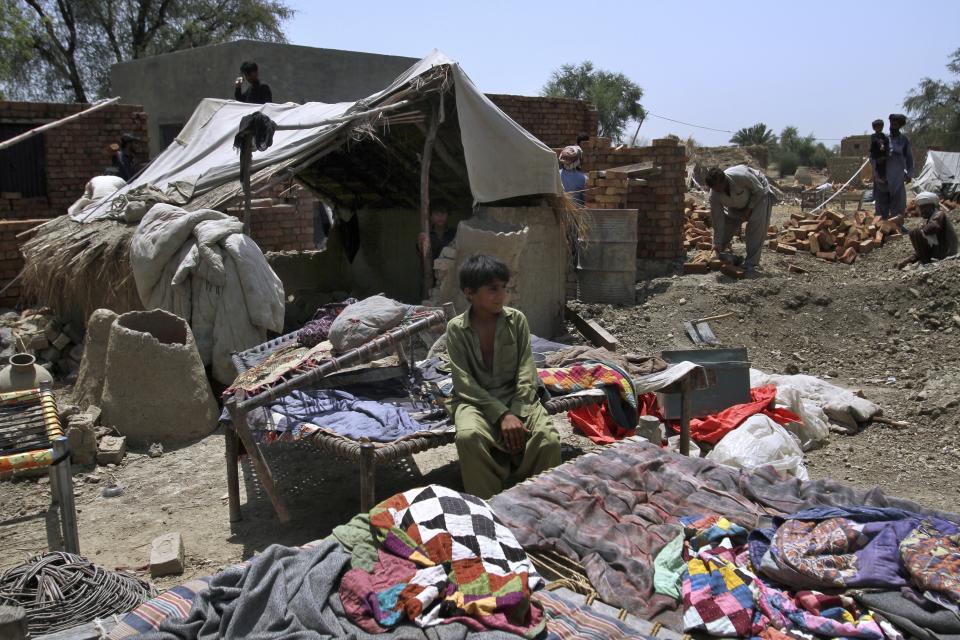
199, 266
364, 320
760, 441
838, 404
96, 190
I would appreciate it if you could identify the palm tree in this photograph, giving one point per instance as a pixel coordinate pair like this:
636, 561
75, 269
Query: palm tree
758, 134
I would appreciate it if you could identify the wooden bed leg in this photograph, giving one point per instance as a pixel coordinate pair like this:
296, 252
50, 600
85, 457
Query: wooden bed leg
367, 476
686, 402
232, 451
239, 419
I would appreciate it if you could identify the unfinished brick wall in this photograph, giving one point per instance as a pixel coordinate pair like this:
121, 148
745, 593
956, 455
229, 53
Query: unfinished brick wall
659, 203
74, 152
281, 218
555, 121
11, 261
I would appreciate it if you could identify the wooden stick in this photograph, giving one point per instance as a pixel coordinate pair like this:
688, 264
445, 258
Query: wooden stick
426, 264
56, 123
597, 335
686, 410
899, 424
718, 317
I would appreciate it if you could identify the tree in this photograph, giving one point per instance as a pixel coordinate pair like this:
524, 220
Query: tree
14, 40
758, 134
616, 97
934, 110
72, 43
795, 150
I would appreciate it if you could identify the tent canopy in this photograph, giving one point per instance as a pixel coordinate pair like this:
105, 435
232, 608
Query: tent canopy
940, 173
364, 153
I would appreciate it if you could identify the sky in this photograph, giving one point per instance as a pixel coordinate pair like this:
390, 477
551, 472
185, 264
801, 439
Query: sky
829, 68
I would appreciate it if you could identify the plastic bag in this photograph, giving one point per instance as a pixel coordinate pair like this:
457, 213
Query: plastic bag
365, 320
813, 431
673, 444
760, 441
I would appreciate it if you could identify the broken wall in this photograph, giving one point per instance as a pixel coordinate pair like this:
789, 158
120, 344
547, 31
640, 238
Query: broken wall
70, 154
659, 203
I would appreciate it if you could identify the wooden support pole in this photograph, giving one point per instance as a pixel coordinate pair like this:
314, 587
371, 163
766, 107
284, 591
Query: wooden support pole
239, 419
367, 476
246, 159
686, 409
52, 125
426, 260
231, 452
64, 493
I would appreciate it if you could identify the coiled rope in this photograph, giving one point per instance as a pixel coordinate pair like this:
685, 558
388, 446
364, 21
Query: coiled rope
61, 590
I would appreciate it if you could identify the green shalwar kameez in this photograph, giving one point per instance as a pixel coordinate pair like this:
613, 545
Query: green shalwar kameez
482, 396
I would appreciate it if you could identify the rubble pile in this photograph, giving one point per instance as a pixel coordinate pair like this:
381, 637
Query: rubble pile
57, 346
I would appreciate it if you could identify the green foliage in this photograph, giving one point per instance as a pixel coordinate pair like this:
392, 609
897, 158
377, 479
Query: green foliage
616, 97
795, 150
758, 134
71, 44
934, 110
15, 41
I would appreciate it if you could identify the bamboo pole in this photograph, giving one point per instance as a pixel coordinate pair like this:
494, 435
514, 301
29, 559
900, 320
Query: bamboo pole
52, 125
426, 259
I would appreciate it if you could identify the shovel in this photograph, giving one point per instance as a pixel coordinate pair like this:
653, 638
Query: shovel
700, 332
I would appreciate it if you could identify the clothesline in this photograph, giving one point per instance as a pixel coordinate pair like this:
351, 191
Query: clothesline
845, 185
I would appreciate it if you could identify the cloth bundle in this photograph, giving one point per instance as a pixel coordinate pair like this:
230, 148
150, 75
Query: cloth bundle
621, 405
200, 266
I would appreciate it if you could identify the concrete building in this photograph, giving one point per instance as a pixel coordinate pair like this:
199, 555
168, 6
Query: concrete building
170, 86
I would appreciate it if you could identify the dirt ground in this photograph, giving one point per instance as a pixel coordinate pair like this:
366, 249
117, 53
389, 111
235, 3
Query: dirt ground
893, 334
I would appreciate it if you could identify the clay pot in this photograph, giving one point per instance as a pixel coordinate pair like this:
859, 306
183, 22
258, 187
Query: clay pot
23, 373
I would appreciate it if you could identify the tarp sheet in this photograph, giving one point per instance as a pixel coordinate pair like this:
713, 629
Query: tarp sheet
941, 168
503, 159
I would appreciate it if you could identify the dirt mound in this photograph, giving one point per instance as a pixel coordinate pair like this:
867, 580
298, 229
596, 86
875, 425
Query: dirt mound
702, 158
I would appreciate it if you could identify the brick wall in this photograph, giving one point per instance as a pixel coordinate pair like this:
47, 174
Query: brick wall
659, 203
554, 121
74, 152
281, 218
840, 169
11, 261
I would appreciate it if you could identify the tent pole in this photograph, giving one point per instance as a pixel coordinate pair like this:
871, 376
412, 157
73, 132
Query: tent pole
426, 259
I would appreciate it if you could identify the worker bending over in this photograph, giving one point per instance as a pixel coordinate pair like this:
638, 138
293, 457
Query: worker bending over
503, 432
740, 194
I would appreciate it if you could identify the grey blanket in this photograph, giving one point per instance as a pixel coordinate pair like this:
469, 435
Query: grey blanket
292, 594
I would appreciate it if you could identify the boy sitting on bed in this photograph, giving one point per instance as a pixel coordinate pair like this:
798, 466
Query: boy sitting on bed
503, 432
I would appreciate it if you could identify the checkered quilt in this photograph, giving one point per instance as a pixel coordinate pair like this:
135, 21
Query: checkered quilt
448, 559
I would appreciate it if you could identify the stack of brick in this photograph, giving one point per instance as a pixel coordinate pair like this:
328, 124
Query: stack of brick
283, 220
659, 202
832, 236
11, 261
555, 121
73, 152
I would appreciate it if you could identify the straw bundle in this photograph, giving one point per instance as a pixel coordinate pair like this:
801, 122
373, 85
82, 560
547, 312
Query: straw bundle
77, 268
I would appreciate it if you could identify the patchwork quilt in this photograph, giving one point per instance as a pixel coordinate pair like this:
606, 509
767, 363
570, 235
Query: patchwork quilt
621, 395
443, 557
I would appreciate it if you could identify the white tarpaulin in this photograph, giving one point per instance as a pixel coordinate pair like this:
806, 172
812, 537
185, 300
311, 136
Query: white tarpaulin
941, 167
503, 160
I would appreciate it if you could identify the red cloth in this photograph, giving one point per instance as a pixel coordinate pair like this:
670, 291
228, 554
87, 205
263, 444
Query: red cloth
595, 422
712, 428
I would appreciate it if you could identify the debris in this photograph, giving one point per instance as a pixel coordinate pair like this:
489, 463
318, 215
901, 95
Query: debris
111, 450
597, 335
166, 555
112, 491
82, 438
155, 450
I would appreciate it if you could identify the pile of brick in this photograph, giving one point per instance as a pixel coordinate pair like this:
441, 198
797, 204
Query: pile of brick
696, 226
832, 236
57, 346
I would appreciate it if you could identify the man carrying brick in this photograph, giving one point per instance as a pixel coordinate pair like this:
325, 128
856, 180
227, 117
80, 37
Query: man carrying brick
740, 194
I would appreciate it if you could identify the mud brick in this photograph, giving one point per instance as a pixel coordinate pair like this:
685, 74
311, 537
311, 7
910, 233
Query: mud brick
786, 249
696, 267
795, 269
829, 256
166, 555
733, 271
772, 244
